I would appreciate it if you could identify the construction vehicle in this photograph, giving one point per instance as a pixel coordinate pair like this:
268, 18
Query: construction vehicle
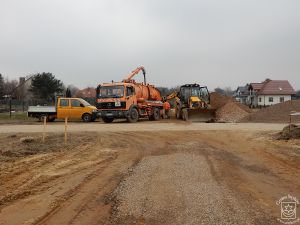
128, 100
72, 108
192, 103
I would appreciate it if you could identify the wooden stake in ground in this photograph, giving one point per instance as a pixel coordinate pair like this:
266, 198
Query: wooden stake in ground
66, 128
44, 130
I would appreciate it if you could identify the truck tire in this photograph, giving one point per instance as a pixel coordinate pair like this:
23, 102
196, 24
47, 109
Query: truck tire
133, 116
87, 117
107, 119
155, 115
51, 119
41, 118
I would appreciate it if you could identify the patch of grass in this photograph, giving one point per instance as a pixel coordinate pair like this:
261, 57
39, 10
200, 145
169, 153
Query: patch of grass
16, 117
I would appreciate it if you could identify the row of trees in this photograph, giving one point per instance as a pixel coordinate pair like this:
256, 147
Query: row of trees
44, 86
40, 86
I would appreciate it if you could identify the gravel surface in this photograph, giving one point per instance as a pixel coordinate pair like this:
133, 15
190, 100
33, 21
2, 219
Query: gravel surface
180, 189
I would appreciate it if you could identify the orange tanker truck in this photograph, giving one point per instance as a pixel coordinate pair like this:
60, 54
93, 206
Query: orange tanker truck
128, 100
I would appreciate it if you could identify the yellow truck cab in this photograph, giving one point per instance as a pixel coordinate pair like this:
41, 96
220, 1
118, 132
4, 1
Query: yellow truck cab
72, 108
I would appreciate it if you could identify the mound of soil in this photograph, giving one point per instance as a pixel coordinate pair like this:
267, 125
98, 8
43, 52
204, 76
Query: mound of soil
217, 100
290, 132
279, 113
231, 112
227, 109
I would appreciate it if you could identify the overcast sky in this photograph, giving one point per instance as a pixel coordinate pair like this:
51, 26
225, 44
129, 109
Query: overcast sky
210, 42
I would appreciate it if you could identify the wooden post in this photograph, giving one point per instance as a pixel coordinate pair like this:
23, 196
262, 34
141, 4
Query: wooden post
66, 126
44, 131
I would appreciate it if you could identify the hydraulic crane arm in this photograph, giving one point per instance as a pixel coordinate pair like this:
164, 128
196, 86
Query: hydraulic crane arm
135, 72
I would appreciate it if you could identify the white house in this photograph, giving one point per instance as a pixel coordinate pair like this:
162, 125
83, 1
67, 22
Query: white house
270, 92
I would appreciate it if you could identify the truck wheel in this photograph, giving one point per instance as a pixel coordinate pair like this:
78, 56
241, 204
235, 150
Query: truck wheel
51, 119
107, 119
133, 116
41, 118
155, 115
87, 117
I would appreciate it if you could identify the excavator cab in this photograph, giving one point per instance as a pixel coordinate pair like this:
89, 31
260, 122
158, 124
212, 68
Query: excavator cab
194, 96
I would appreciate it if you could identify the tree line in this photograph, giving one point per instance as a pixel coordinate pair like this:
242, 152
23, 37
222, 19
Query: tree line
41, 86
44, 86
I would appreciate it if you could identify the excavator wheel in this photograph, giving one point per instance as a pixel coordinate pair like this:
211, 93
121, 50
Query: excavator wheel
185, 115
178, 113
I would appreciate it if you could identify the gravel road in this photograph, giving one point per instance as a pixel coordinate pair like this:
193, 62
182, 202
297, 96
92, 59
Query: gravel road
180, 189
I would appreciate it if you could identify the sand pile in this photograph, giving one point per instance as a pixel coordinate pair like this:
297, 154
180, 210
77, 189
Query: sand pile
278, 113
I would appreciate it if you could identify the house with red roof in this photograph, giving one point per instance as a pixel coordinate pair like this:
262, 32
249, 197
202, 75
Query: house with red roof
270, 92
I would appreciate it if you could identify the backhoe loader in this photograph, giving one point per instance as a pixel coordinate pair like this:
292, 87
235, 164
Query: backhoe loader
192, 103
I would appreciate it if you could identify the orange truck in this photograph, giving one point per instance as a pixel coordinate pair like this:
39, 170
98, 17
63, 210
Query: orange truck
72, 108
128, 100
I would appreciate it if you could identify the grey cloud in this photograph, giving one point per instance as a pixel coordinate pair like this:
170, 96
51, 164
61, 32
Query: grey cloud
212, 42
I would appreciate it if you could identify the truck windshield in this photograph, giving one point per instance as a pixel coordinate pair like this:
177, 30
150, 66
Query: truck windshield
111, 92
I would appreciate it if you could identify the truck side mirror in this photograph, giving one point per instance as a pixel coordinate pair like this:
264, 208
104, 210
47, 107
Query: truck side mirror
81, 105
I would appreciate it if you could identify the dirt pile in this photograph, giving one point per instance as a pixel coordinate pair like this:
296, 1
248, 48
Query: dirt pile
227, 109
278, 113
217, 100
231, 112
290, 132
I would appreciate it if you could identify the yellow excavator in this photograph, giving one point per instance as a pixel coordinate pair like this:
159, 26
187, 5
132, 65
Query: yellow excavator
192, 103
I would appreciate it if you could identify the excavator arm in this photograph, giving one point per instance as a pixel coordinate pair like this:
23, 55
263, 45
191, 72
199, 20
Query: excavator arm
135, 72
171, 96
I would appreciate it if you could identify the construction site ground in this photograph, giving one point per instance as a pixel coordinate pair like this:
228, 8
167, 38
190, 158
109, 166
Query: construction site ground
146, 173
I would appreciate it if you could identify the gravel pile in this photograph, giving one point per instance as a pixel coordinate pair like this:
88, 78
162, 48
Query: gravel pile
179, 189
227, 109
278, 113
231, 112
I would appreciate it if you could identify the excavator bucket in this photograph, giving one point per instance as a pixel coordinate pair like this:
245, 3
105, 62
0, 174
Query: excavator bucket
198, 115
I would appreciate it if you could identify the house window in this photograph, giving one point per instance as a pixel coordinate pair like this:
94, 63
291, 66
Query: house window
270, 99
281, 99
259, 99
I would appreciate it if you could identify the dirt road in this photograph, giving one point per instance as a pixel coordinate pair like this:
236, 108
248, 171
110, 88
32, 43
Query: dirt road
153, 177
172, 125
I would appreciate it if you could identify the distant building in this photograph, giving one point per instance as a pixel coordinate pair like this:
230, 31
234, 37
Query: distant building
241, 94
269, 92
